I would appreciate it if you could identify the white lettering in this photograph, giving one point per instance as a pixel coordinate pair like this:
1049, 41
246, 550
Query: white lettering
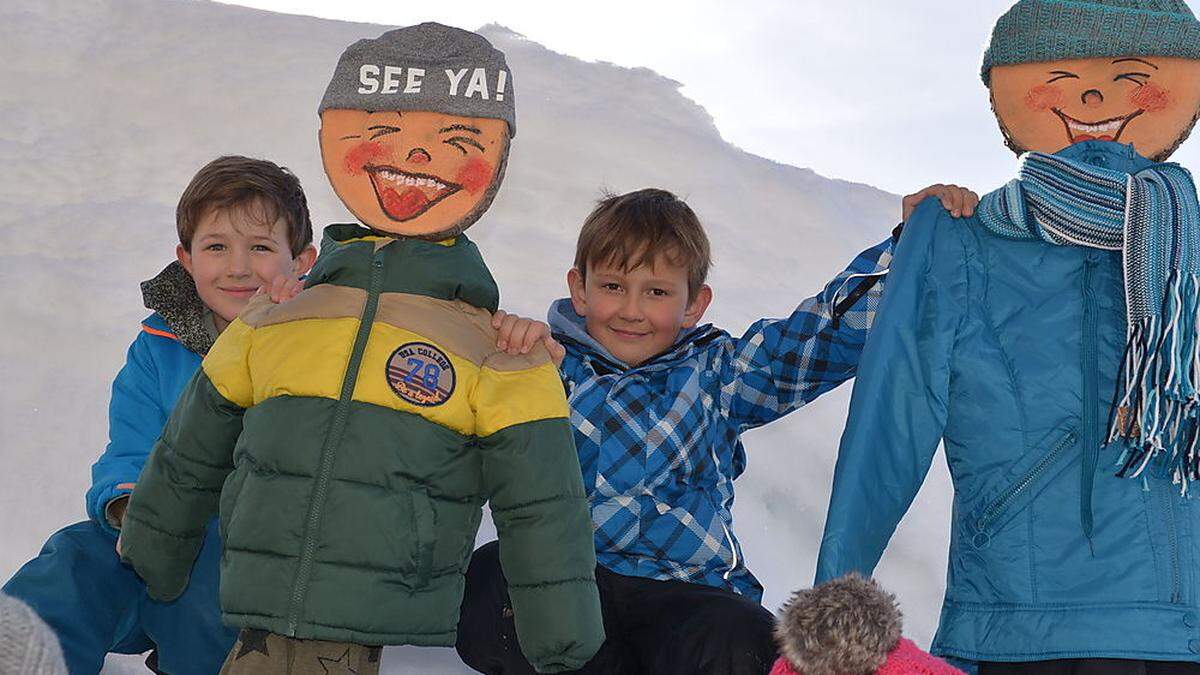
501, 79
367, 75
478, 84
391, 79
412, 84
455, 78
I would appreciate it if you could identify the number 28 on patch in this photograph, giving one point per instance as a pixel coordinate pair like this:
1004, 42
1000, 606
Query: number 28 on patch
421, 374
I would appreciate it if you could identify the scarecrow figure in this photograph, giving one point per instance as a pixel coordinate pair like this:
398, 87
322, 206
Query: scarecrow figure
1050, 343
350, 436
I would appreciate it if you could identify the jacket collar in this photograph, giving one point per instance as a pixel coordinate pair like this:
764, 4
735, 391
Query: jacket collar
1106, 155
172, 294
451, 269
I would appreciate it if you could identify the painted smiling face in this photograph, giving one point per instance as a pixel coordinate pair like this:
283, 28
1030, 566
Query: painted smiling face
414, 173
1150, 102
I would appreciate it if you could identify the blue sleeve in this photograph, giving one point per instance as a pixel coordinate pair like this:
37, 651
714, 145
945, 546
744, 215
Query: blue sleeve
782, 364
898, 408
135, 421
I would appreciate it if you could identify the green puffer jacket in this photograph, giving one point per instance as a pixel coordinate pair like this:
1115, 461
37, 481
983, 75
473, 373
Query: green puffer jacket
350, 437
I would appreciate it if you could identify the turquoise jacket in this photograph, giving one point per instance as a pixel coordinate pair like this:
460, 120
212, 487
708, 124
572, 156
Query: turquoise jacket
161, 360
1007, 352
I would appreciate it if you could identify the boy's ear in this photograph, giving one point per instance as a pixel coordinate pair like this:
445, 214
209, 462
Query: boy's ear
183, 257
697, 306
576, 286
304, 260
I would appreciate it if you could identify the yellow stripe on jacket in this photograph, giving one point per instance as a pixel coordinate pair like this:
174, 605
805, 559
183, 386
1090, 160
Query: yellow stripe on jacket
427, 357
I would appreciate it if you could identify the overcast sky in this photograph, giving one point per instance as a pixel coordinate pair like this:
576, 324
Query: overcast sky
875, 91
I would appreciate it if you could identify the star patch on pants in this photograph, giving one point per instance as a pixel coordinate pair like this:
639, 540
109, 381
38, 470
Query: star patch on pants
252, 640
341, 666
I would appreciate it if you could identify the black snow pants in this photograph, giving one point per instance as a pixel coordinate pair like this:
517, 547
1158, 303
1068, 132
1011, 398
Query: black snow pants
653, 627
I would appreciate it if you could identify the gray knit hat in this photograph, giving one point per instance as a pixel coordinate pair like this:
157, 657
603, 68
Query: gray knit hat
1033, 31
425, 67
27, 645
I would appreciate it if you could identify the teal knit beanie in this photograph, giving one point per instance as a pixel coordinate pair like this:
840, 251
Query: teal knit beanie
1033, 31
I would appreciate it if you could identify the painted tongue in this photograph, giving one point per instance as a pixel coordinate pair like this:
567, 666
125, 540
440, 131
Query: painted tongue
403, 206
1087, 137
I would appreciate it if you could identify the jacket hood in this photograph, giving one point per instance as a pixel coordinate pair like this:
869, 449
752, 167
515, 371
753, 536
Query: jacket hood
567, 325
173, 295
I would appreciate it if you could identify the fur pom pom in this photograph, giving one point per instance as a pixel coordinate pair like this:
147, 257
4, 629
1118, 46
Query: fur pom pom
845, 626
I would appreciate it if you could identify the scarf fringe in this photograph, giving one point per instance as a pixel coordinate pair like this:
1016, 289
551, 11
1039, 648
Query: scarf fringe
1154, 414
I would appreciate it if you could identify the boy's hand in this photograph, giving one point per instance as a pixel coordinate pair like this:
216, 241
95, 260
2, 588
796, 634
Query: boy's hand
959, 201
282, 288
518, 335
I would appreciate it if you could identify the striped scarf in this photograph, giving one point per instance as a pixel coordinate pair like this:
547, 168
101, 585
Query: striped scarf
1153, 218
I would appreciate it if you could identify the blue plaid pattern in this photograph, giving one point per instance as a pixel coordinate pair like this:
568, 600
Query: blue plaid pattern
660, 444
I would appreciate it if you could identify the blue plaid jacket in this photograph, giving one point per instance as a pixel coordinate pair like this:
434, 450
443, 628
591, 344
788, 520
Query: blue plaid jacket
660, 444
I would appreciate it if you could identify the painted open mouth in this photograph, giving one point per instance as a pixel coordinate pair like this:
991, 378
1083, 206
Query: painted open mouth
404, 195
1104, 130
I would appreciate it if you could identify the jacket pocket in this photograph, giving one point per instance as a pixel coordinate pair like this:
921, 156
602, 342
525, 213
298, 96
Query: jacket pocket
997, 511
424, 528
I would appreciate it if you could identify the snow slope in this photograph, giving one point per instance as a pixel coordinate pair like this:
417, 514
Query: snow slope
108, 107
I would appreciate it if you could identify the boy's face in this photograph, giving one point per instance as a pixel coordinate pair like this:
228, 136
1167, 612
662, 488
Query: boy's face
1149, 101
636, 314
417, 174
234, 253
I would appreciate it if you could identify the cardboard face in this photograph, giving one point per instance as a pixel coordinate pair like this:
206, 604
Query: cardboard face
1148, 101
417, 174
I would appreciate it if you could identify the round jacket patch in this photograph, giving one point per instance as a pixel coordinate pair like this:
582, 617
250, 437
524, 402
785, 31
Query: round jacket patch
421, 374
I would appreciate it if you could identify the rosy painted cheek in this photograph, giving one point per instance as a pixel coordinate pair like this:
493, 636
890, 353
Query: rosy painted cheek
1150, 97
362, 155
1043, 97
475, 175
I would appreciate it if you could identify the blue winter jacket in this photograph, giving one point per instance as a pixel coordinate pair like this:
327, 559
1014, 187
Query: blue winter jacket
157, 366
1007, 351
659, 444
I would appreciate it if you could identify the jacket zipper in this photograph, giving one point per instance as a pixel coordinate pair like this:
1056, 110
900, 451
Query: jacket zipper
1165, 489
1000, 503
333, 440
1090, 365
733, 563
840, 307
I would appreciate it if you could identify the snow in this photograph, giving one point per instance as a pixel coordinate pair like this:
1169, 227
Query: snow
108, 107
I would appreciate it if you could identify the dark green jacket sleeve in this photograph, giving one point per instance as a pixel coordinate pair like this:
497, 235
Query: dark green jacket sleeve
531, 472
178, 491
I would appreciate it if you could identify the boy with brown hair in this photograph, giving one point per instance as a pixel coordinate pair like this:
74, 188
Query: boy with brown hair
243, 223
658, 404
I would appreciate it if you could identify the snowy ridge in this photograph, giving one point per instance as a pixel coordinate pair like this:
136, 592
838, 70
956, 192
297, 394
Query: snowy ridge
107, 108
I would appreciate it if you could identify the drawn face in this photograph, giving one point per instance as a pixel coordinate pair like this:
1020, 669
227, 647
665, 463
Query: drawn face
1151, 102
417, 174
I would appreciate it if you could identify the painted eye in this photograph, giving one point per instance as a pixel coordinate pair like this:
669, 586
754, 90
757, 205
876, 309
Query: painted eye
382, 130
1139, 79
1061, 75
459, 141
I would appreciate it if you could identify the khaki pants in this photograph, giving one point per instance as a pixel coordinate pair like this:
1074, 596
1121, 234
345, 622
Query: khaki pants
258, 652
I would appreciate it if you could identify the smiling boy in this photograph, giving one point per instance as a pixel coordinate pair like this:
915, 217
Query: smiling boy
242, 223
658, 403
